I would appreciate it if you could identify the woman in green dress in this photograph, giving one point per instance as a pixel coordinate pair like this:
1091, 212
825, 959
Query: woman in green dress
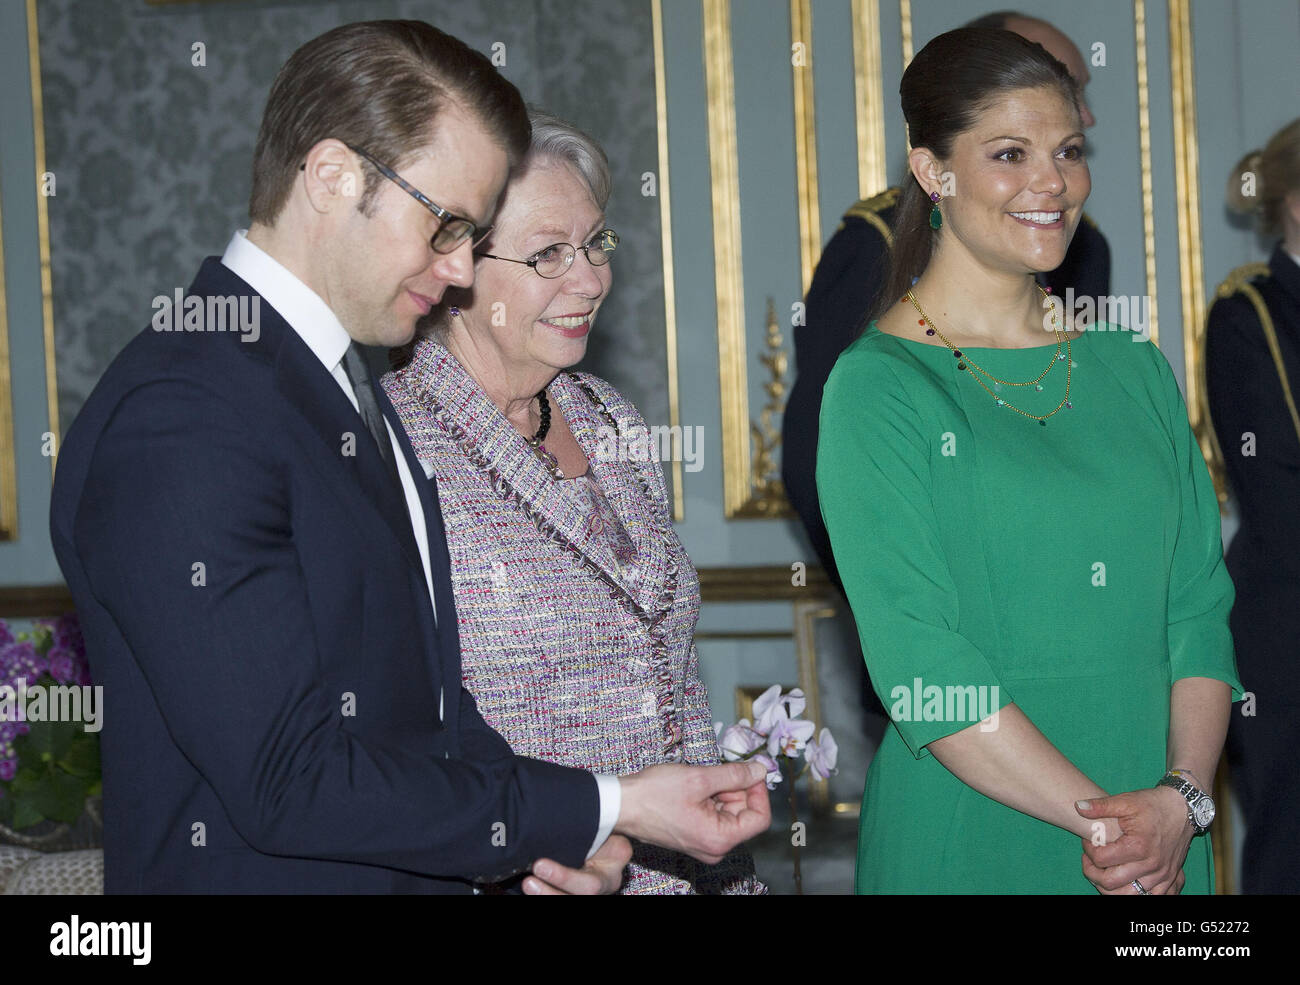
1026, 530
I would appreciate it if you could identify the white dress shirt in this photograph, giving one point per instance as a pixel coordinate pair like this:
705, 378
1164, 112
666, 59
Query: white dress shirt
318, 326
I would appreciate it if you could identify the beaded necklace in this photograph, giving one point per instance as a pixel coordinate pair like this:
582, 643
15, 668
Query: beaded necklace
966, 362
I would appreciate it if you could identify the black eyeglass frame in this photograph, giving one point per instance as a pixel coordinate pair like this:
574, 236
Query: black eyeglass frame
473, 233
535, 259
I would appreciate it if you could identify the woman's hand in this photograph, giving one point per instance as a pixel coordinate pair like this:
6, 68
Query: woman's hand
1157, 834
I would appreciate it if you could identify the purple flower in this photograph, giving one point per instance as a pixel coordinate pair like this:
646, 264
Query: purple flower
773, 770
8, 768
6, 636
821, 754
67, 635
789, 736
20, 659
63, 665
737, 742
772, 706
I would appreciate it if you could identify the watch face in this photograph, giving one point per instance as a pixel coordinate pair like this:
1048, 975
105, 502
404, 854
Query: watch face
1203, 811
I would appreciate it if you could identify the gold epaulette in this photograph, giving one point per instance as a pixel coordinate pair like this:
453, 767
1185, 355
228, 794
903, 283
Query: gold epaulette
1239, 281
869, 209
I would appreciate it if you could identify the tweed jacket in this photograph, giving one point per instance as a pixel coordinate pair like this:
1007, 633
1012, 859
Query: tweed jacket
557, 638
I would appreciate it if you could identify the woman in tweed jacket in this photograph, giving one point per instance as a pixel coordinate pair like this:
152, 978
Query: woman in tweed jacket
575, 600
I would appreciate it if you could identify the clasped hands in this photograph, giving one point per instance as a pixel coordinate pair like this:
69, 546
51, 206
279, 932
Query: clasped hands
702, 811
1147, 834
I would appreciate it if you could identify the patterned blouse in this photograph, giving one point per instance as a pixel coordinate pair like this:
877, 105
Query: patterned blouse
576, 602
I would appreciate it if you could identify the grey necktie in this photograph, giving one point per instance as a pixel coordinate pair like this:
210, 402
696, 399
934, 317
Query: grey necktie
358, 374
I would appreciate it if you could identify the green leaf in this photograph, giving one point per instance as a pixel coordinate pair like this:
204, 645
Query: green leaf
82, 758
52, 739
7, 809
25, 812
61, 797
26, 778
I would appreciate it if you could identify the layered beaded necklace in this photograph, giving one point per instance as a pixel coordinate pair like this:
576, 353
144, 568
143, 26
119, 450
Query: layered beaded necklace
964, 361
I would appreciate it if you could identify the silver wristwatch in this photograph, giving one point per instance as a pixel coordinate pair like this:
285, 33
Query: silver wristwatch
1200, 805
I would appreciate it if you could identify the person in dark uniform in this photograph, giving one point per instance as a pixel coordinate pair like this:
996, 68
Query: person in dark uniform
1252, 365
852, 269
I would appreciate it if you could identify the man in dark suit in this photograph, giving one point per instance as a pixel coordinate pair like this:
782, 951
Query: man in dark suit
852, 269
259, 566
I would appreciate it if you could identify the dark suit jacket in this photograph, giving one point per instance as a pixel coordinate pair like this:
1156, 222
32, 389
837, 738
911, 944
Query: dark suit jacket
851, 269
255, 607
1246, 395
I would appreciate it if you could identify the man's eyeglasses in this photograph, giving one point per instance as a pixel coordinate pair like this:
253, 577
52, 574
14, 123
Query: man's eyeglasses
452, 229
556, 259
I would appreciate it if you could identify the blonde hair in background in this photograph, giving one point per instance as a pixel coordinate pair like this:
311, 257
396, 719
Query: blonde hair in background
1262, 180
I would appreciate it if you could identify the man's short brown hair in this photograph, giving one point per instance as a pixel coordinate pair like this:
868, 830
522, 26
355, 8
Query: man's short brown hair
378, 85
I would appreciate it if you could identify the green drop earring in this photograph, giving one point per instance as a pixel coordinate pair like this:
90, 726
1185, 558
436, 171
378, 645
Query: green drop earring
936, 217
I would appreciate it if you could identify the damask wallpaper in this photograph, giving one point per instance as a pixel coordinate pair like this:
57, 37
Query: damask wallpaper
151, 153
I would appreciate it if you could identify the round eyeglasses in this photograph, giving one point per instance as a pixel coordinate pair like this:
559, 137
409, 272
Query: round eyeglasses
556, 259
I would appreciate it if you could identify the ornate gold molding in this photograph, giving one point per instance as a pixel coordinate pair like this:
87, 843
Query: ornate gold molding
764, 583
724, 184
32, 601
8, 452
767, 497
43, 231
1144, 145
905, 26
807, 613
805, 141
1187, 186
869, 97
666, 232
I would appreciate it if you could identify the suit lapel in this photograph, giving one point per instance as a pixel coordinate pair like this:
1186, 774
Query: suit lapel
444, 628
323, 408
332, 418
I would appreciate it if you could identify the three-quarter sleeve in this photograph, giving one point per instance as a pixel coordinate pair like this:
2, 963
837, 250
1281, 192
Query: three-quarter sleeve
873, 482
1200, 589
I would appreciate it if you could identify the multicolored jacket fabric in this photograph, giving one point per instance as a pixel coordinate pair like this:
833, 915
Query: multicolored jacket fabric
558, 639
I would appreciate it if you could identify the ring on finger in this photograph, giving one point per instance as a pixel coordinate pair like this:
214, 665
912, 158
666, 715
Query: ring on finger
1140, 888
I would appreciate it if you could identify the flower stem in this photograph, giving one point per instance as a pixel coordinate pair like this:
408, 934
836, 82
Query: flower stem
791, 771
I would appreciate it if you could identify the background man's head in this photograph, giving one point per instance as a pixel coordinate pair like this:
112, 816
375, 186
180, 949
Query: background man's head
1057, 44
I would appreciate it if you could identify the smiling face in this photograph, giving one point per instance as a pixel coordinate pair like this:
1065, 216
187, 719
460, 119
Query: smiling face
380, 271
1018, 183
523, 326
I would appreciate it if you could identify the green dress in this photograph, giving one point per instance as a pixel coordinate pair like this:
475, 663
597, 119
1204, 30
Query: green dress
1075, 569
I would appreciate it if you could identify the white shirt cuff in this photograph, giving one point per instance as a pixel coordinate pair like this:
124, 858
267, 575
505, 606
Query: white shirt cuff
611, 802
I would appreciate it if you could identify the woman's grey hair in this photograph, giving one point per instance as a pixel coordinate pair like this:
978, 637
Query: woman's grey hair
560, 141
